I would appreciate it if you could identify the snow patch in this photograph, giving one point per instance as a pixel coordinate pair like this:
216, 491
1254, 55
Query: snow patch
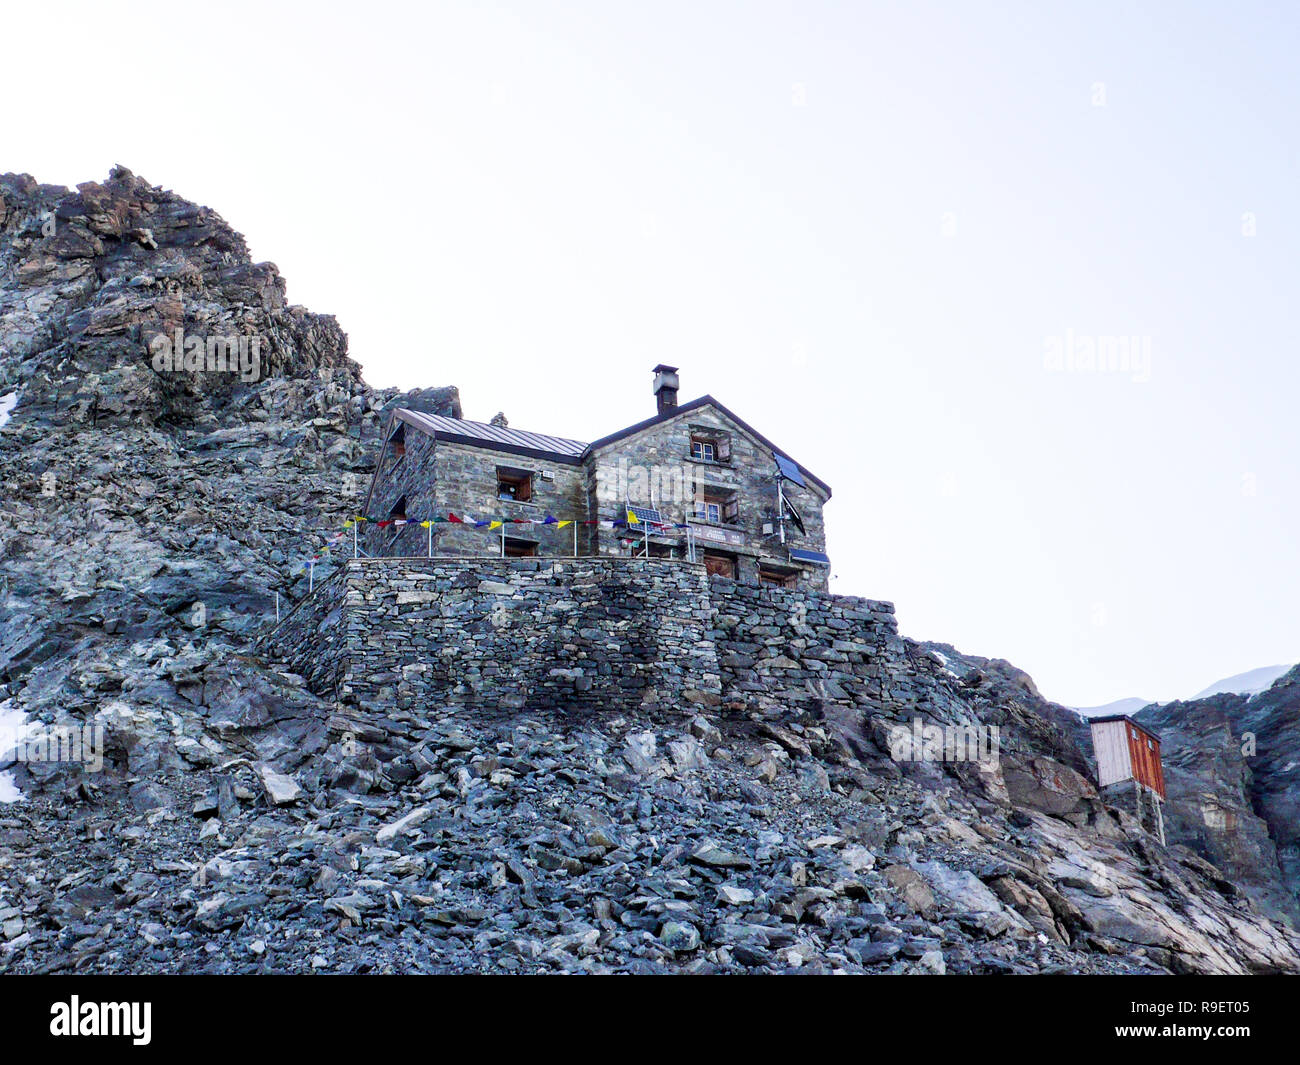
1126, 707
8, 789
1254, 682
7, 405
13, 727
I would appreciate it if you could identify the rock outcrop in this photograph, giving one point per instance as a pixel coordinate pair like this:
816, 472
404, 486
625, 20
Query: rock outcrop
1232, 768
151, 517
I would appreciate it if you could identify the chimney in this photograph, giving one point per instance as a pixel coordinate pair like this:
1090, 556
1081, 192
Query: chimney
666, 388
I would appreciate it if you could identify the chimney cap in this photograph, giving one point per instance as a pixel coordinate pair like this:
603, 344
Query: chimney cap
663, 367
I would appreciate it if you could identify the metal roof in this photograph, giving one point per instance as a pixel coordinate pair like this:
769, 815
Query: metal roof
562, 449
1128, 720
495, 435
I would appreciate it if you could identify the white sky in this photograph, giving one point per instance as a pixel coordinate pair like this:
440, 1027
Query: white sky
857, 225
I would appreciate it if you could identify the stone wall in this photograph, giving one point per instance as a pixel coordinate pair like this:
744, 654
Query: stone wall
590, 633
500, 634
784, 650
467, 484
313, 637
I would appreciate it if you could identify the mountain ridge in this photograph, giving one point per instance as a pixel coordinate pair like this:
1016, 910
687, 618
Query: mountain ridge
1250, 682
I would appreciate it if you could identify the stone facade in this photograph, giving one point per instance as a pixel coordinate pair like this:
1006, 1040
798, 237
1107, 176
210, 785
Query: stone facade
656, 467
408, 470
699, 465
441, 476
587, 634
468, 482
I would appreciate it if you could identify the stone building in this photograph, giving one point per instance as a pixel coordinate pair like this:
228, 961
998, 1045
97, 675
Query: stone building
694, 481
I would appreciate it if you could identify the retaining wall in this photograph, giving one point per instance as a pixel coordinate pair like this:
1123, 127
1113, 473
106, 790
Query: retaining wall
589, 633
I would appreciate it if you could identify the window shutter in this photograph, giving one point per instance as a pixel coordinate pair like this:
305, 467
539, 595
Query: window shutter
731, 511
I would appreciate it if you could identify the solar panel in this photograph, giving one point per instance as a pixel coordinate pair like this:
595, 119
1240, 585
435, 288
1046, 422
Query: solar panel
649, 515
799, 554
789, 470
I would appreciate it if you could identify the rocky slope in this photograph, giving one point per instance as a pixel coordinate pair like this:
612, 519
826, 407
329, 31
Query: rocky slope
148, 520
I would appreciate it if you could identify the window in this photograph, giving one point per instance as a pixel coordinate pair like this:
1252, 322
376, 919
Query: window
710, 445
774, 575
520, 548
514, 484
717, 506
397, 442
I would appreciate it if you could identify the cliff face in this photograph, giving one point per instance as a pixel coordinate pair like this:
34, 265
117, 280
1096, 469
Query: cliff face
151, 514
1232, 767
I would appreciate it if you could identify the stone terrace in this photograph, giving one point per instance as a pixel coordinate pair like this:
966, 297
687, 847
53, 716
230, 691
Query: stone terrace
501, 634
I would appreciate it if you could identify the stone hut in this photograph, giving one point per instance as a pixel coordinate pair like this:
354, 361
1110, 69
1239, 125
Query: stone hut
693, 482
